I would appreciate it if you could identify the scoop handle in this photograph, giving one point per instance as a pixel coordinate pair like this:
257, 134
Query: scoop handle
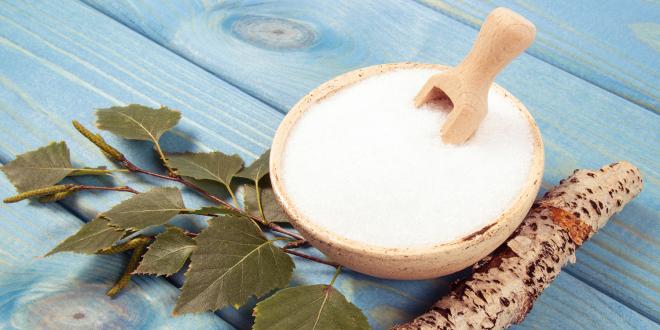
503, 36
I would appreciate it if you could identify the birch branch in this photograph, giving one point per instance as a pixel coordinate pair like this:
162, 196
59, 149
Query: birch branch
504, 285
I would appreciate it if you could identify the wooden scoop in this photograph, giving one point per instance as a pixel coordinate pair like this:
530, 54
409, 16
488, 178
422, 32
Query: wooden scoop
503, 36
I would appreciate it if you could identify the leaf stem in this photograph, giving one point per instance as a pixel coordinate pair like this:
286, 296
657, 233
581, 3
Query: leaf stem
162, 155
332, 281
258, 193
312, 258
231, 193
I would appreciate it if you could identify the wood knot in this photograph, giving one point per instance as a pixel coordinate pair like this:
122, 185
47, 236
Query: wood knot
271, 33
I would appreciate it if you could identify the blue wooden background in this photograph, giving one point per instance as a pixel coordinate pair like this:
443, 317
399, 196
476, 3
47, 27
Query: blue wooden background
234, 68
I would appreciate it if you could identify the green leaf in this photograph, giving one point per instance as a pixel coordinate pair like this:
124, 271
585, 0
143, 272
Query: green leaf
315, 307
216, 210
214, 166
137, 122
152, 208
214, 187
232, 262
39, 168
272, 209
92, 236
258, 169
167, 254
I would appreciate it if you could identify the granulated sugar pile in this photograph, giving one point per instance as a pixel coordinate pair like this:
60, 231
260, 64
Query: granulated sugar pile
367, 165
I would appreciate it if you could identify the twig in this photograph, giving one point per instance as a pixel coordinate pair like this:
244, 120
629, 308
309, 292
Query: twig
312, 258
295, 244
275, 227
134, 168
176, 178
122, 188
121, 158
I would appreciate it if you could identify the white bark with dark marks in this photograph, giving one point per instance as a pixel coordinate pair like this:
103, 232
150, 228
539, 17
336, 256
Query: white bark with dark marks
504, 285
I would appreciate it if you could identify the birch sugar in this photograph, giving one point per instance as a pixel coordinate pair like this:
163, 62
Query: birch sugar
367, 165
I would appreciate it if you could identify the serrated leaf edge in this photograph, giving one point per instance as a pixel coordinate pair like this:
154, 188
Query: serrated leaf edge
176, 312
138, 272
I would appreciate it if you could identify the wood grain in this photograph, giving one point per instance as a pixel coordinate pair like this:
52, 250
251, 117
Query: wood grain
68, 290
60, 61
611, 44
74, 60
566, 304
598, 312
291, 47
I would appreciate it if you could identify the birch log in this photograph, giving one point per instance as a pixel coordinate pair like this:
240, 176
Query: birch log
504, 285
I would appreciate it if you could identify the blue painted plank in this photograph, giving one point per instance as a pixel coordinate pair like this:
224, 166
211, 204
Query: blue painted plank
57, 65
567, 303
599, 311
52, 56
42, 92
608, 43
67, 290
52, 88
278, 51
42, 113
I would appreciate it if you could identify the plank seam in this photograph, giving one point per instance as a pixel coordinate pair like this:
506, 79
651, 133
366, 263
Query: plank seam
187, 59
532, 54
239, 87
653, 318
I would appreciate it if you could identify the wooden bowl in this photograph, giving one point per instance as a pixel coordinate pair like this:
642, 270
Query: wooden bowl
414, 262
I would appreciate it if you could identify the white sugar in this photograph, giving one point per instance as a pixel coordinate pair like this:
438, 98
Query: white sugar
367, 165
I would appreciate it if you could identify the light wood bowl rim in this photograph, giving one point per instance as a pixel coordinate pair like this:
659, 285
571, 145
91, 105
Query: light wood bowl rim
307, 227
